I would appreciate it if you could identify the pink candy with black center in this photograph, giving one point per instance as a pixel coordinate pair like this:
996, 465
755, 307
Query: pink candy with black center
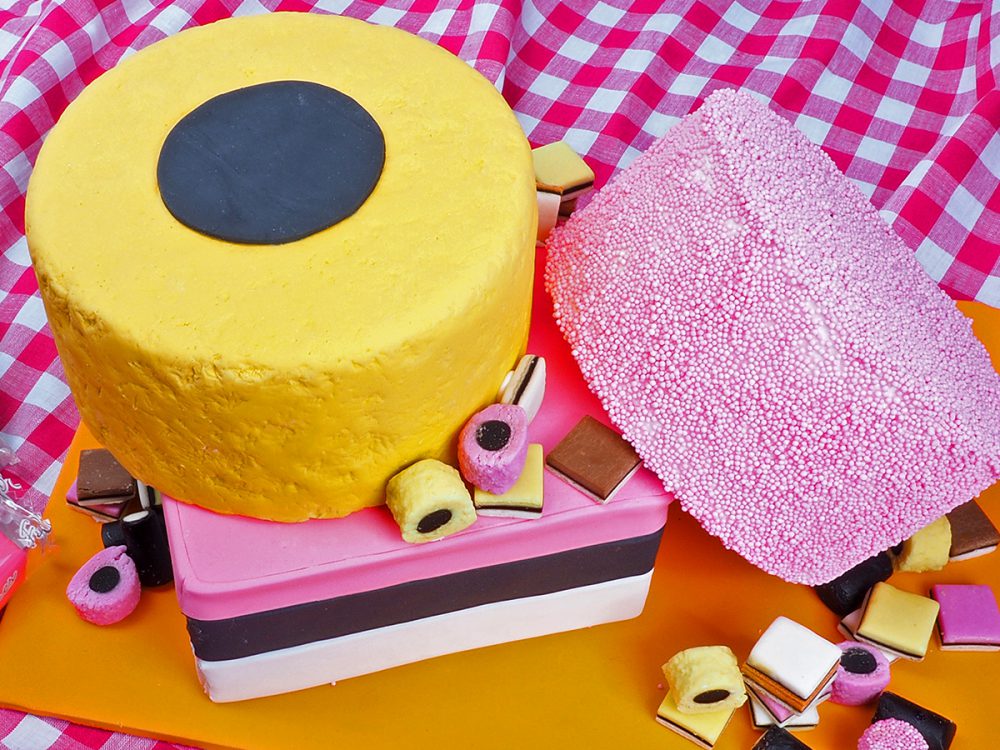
106, 589
493, 447
862, 675
892, 734
771, 348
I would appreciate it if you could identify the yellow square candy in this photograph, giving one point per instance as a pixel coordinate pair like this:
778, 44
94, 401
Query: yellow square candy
702, 729
898, 621
928, 549
524, 499
558, 169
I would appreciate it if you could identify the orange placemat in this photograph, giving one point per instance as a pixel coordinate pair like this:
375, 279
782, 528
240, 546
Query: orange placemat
593, 688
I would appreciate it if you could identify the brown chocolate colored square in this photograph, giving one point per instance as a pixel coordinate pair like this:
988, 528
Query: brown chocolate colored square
101, 476
594, 457
971, 530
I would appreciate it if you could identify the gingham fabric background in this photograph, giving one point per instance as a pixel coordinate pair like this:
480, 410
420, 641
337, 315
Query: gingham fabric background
902, 95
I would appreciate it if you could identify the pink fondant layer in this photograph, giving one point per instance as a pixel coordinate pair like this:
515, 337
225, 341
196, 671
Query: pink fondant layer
228, 566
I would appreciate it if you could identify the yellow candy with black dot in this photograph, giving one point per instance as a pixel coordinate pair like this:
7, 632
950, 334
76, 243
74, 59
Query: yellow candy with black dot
429, 501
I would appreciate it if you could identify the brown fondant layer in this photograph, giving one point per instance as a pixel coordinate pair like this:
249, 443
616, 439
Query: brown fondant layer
236, 637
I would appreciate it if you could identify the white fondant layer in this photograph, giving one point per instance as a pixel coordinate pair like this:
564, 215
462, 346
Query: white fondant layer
328, 661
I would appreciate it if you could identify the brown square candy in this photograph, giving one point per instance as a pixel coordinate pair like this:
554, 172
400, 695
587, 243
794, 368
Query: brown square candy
972, 532
101, 476
594, 458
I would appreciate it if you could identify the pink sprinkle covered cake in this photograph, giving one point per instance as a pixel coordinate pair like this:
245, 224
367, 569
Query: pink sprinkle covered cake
771, 348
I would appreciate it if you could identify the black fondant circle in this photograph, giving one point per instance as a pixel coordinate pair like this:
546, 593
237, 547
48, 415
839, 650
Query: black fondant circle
104, 579
434, 521
858, 661
270, 163
711, 696
493, 435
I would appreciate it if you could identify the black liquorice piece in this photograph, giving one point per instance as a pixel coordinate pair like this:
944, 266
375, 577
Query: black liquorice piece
112, 534
846, 592
145, 537
777, 738
937, 730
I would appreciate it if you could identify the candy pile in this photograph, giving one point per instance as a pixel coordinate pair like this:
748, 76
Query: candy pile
106, 588
429, 500
901, 623
771, 348
791, 670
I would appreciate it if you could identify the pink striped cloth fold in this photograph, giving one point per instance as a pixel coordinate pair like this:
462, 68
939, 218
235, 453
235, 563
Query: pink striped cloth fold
906, 104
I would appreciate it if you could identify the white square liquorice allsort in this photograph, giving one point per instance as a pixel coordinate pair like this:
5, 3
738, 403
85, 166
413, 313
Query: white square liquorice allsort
794, 656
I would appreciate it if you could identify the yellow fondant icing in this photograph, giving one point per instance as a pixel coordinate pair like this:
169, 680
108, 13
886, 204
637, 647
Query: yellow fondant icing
290, 381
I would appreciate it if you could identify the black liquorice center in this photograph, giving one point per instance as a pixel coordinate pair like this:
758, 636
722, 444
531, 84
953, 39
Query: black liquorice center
493, 435
271, 163
104, 579
711, 696
858, 661
434, 521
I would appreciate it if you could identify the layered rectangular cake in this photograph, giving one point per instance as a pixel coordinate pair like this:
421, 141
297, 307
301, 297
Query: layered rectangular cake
273, 607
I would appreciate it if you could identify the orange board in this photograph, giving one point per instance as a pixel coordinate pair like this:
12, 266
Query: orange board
593, 688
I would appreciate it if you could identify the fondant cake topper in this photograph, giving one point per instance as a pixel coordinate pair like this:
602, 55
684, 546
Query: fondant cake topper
290, 381
771, 348
271, 163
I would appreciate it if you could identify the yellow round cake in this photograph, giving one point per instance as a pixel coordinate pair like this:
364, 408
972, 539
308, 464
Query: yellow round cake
286, 381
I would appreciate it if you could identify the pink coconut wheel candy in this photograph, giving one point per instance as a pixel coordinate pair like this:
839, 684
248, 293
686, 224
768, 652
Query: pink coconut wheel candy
106, 588
771, 348
892, 734
493, 447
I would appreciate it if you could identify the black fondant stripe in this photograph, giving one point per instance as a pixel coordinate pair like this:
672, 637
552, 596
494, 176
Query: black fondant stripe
536, 509
236, 637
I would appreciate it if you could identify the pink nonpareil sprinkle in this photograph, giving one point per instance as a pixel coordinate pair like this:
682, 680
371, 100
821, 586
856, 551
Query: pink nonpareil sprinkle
771, 348
892, 734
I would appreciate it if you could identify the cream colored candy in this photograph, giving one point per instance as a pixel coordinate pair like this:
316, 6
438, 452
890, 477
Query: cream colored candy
898, 621
928, 549
705, 679
524, 499
524, 386
559, 170
548, 213
702, 729
429, 501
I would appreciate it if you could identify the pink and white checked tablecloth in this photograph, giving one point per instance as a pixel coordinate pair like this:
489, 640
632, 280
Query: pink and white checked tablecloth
902, 95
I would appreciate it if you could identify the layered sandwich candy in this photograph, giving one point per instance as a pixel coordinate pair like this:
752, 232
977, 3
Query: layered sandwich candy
791, 664
928, 549
972, 532
898, 621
